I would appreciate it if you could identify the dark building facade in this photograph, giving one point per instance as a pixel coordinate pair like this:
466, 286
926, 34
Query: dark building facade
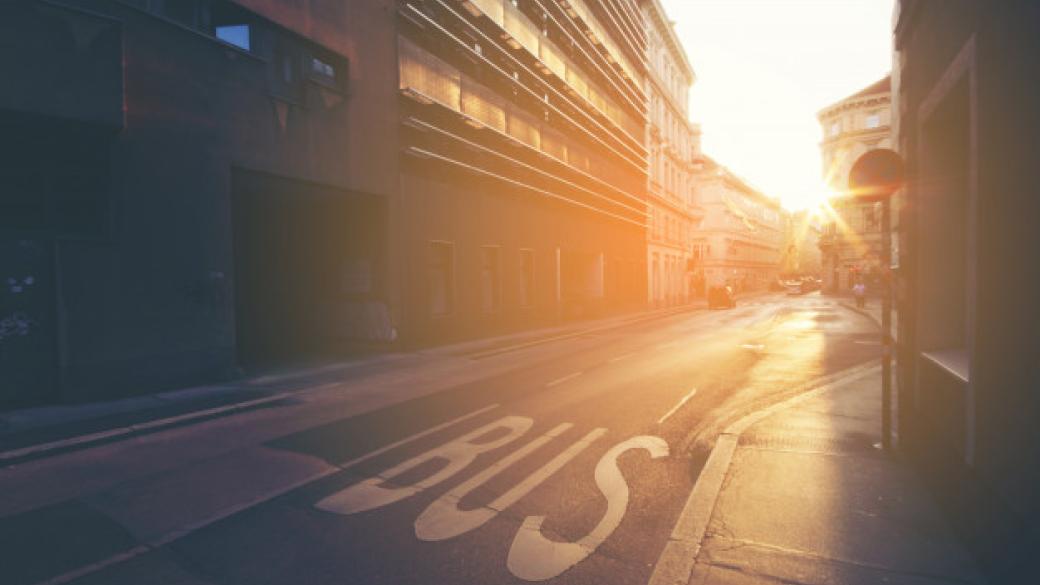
966, 86
193, 187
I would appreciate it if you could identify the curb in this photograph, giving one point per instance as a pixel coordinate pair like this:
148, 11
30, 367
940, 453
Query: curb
866, 314
643, 317
22, 454
677, 560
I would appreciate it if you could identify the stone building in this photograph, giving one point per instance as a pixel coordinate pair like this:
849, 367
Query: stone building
193, 188
967, 83
851, 239
741, 239
672, 143
801, 251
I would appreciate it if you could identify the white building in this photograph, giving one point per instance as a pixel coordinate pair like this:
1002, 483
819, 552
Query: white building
742, 235
672, 144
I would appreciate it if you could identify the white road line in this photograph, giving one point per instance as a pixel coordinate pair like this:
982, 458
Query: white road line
232, 510
559, 381
157, 424
621, 357
677, 406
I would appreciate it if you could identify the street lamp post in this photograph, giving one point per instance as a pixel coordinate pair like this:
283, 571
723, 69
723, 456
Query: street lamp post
875, 177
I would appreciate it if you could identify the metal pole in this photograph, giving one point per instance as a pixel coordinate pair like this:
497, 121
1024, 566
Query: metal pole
886, 325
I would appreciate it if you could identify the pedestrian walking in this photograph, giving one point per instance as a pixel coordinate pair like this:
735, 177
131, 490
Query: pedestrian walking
860, 291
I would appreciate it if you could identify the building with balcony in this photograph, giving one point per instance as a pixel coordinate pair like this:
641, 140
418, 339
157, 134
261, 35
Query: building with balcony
193, 188
743, 234
672, 143
523, 165
851, 239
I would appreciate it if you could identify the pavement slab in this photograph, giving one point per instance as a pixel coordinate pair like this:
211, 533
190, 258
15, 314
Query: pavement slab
809, 499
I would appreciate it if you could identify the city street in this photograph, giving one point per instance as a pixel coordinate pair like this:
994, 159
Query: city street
567, 461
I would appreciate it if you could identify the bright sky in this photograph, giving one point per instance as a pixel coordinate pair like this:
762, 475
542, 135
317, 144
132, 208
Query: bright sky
765, 67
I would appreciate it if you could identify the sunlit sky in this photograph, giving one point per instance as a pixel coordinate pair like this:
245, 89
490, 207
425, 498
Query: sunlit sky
765, 67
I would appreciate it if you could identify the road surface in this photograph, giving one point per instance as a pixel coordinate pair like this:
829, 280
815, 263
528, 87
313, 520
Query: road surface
568, 462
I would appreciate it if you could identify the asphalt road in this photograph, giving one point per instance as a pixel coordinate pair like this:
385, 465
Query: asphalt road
570, 469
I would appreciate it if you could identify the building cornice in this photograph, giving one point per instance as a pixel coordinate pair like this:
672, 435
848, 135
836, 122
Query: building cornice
856, 136
668, 32
861, 102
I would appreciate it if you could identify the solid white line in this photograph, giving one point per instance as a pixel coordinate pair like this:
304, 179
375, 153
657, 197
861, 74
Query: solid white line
559, 381
95, 567
677, 406
232, 510
621, 357
90, 438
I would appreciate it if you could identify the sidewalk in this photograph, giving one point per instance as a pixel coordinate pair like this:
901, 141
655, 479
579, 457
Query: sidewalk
872, 310
809, 499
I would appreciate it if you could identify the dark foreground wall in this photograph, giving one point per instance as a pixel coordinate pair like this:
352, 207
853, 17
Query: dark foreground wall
969, 365
131, 123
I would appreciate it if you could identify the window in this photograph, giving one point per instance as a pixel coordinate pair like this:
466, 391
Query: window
836, 128
526, 278
284, 75
870, 219
441, 278
327, 68
490, 279
234, 34
230, 24
873, 120
218, 18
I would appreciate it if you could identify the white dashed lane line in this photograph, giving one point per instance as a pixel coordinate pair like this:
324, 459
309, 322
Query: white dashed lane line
566, 378
676, 408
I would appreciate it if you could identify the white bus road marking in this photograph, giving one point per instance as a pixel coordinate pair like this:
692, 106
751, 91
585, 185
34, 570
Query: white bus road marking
443, 519
566, 378
533, 557
677, 406
351, 463
371, 493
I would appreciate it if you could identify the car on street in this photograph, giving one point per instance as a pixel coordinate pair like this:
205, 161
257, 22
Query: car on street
721, 296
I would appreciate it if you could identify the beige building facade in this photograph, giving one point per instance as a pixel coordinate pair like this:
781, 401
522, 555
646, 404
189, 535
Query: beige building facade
801, 252
672, 143
741, 239
850, 244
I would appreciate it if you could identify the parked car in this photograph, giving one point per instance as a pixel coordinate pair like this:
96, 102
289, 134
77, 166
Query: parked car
721, 296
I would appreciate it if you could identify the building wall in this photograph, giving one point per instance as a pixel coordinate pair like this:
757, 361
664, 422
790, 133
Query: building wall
801, 251
523, 191
851, 242
968, 279
145, 296
741, 239
672, 143
210, 136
